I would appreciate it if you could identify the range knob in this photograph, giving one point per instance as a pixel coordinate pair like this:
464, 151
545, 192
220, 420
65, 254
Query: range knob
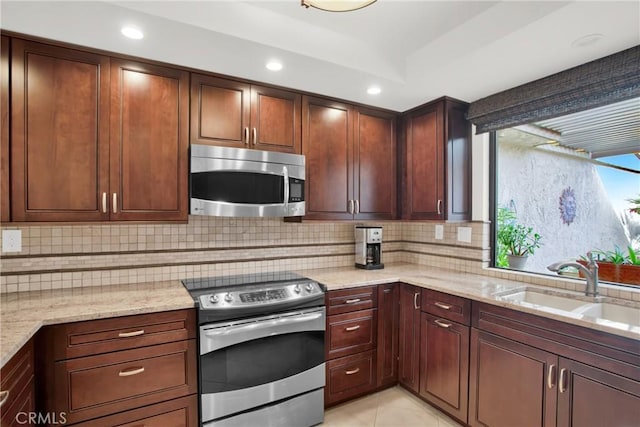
228, 297
296, 289
309, 287
213, 299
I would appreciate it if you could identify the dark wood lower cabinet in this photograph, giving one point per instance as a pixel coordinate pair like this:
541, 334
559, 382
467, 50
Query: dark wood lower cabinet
387, 352
588, 396
444, 365
509, 383
181, 412
17, 388
350, 376
409, 337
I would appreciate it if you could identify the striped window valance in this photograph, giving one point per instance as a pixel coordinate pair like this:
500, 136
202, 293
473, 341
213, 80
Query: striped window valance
603, 81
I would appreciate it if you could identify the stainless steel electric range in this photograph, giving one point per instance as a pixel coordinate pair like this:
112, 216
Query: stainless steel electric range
261, 346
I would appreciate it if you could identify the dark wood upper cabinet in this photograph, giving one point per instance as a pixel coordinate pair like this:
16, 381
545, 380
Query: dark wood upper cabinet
96, 138
275, 119
149, 142
59, 133
327, 143
436, 162
374, 177
350, 159
5, 209
235, 114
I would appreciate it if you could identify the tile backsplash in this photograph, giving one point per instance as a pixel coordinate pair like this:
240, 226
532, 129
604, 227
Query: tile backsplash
63, 256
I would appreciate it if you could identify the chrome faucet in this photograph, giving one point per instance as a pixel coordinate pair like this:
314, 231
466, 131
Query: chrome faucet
590, 273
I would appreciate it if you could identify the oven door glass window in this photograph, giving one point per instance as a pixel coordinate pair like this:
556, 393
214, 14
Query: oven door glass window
238, 187
261, 361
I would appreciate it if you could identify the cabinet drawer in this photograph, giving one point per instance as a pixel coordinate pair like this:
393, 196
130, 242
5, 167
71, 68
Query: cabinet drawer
16, 384
182, 412
351, 333
350, 376
450, 307
120, 333
346, 300
94, 386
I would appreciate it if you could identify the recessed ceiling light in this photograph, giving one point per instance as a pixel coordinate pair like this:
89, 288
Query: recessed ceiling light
132, 33
274, 65
587, 40
374, 90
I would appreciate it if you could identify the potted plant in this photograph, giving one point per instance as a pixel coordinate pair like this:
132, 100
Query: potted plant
515, 241
617, 266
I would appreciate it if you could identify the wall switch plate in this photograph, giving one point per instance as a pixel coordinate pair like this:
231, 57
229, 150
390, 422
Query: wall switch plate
11, 240
464, 234
439, 232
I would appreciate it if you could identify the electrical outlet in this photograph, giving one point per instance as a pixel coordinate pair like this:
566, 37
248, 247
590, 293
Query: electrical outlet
464, 234
439, 232
11, 240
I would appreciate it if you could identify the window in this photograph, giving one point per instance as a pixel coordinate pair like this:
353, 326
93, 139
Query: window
558, 196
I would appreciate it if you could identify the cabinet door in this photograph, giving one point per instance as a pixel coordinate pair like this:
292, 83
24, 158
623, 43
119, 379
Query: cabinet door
149, 142
375, 165
275, 120
424, 187
4, 129
444, 365
220, 111
592, 397
59, 134
511, 384
327, 143
387, 351
409, 337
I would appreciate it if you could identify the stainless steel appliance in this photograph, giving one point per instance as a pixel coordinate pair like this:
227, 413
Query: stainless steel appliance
261, 346
369, 247
246, 183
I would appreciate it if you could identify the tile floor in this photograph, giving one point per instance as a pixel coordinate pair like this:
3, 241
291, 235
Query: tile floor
393, 407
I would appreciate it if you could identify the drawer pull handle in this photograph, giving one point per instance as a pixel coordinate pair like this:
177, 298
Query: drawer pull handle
131, 334
442, 305
355, 371
352, 301
551, 376
442, 324
415, 300
352, 328
4, 396
563, 387
129, 372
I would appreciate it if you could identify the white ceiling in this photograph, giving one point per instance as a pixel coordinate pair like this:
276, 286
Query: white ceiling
414, 50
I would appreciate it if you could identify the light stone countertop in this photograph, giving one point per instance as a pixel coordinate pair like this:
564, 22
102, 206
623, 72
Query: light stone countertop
22, 314
475, 287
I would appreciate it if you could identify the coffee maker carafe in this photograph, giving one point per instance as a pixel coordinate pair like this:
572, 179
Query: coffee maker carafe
369, 247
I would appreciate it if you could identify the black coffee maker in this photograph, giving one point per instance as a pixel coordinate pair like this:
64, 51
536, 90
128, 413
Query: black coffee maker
369, 247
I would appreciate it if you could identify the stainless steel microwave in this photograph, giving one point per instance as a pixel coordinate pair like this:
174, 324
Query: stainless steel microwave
246, 183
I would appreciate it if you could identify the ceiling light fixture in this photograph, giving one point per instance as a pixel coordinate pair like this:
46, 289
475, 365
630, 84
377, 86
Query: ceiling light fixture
274, 65
132, 33
337, 5
374, 90
587, 40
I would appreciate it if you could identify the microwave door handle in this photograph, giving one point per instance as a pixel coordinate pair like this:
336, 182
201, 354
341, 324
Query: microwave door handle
285, 173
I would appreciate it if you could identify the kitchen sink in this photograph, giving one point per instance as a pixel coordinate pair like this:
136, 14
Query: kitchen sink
612, 312
573, 305
544, 299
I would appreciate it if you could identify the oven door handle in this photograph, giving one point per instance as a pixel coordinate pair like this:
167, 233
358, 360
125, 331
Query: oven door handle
212, 339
